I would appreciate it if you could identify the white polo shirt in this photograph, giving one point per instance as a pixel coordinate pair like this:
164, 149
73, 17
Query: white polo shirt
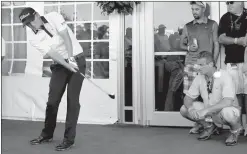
223, 87
44, 43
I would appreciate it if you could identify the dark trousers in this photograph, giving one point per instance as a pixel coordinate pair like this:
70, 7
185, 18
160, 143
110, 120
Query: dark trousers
176, 79
62, 77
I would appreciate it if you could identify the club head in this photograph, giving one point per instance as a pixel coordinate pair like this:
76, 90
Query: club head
112, 96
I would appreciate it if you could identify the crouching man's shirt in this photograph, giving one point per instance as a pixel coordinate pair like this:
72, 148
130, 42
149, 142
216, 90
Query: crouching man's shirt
223, 87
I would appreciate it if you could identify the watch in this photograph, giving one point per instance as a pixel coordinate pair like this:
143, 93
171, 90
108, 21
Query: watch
72, 59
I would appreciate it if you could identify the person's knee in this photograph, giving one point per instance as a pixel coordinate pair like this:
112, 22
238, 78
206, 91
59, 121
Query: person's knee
230, 114
198, 105
184, 111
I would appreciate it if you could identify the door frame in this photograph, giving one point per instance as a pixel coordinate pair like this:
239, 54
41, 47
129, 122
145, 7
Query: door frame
146, 79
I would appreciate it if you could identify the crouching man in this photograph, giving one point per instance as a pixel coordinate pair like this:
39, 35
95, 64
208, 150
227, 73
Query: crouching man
219, 106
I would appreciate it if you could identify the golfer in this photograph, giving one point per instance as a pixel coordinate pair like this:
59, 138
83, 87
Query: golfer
53, 38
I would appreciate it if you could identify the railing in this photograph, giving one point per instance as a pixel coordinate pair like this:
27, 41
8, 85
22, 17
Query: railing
170, 53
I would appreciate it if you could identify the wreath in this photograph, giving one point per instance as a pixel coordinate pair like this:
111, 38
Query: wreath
123, 7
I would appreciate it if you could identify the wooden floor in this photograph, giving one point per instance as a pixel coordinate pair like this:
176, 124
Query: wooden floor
115, 139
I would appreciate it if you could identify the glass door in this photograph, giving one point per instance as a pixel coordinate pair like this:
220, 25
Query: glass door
166, 62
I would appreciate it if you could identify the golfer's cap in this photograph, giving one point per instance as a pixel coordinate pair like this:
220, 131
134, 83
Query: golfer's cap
27, 15
162, 26
200, 3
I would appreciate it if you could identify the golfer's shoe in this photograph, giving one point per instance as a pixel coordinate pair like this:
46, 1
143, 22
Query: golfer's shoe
233, 138
197, 129
208, 131
41, 140
65, 145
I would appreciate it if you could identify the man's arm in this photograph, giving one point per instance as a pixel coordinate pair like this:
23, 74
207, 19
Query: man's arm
225, 102
223, 29
192, 93
182, 37
46, 50
59, 59
223, 39
226, 40
67, 40
61, 27
188, 101
216, 42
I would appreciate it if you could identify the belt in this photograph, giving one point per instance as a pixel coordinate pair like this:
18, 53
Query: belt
233, 64
79, 56
76, 57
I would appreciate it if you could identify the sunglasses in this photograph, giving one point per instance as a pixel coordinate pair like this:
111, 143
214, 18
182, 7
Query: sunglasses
229, 2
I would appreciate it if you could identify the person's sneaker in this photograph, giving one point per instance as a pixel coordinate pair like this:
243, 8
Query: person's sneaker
208, 131
233, 138
197, 129
65, 145
41, 140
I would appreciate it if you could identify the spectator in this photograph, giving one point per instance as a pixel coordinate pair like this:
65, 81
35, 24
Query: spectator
128, 46
232, 34
202, 35
102, 52
219, 102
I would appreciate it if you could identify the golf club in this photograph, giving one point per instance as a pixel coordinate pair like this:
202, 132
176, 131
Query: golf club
112, 96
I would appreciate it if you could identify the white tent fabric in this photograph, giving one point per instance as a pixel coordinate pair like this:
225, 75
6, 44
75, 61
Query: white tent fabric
25, 98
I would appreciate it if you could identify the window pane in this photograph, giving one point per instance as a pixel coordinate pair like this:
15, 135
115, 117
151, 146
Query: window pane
46, 69
20, 51
71, 26
6, 33
6, 16
19, 3
6, 67
84, 12
101, 69
86, 46
101, 30
88, 69
20, 33
6, 3
67, 12
8, 52
128, 60
19, 67
51, 2
128, 115
169, 73
17, 11
83, 31
101, 50
50, 9
97, 13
